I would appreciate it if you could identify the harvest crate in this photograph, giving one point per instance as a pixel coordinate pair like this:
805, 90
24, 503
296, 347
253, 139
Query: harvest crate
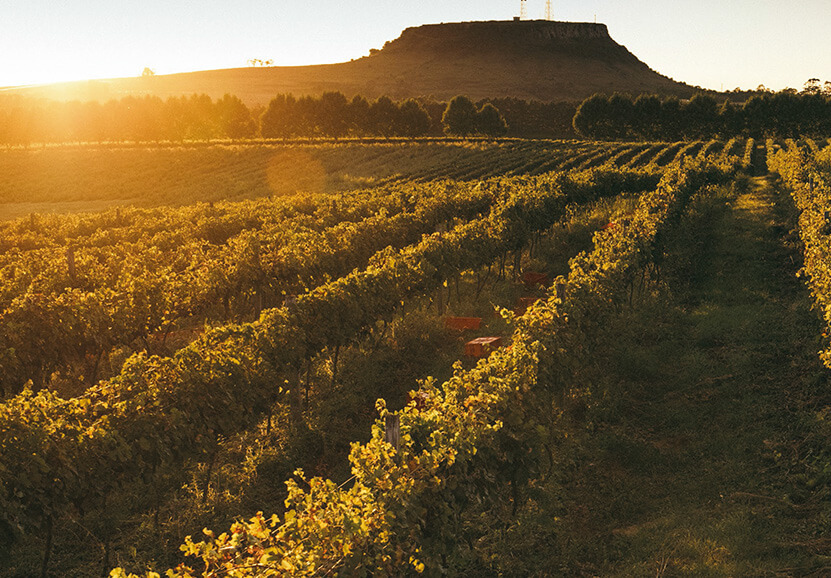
530, 278
482, 346
462, 323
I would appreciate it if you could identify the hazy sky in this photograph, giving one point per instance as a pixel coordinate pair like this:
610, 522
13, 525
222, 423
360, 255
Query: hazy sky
711, 43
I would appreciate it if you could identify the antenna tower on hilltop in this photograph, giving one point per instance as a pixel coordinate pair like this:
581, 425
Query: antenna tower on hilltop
523, 10
548, 9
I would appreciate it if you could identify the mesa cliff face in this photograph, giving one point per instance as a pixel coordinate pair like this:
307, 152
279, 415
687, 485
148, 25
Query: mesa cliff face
524, 33
535, 60
530, 59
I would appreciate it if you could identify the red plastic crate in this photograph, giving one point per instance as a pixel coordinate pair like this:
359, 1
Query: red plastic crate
482, 346
462, 323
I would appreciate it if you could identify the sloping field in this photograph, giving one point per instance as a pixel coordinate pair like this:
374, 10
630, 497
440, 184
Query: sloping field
93, 178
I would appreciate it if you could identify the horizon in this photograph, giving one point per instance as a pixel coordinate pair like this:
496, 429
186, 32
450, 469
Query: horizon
89, 40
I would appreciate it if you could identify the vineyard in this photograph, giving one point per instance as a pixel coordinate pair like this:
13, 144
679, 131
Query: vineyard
83, 178
440, 357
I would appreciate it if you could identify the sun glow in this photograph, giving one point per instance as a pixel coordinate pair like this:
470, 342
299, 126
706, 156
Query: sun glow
48, 73
42, 67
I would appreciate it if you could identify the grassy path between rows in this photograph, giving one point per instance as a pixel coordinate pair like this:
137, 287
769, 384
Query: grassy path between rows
705, 460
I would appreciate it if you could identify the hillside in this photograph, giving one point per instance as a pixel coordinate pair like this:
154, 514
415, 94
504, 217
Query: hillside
534, 60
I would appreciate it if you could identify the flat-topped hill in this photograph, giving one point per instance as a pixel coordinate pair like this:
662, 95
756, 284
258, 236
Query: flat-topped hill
535, 60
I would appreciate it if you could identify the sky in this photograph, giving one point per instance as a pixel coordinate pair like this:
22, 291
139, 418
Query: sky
715, 44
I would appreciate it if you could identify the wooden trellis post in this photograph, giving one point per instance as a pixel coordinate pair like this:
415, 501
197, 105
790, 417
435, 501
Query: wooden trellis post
393, 430
560, 290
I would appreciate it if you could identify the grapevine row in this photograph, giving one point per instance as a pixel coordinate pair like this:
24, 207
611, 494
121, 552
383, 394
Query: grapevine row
462, 444
808, 177
158, 413
215, 223
115, 296
184, 175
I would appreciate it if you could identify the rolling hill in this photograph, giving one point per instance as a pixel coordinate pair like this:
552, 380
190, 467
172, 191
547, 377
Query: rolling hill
532, 60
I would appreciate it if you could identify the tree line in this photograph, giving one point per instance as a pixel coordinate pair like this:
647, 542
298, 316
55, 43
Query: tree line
198, 117
332, 115
784, 114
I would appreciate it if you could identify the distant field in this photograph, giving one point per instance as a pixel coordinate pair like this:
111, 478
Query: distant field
88, 178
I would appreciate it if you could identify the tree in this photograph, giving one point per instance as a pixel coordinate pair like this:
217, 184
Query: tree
730, 122
646, 116
92, 122
382, 116
412, 119
194, 117
671, 125
204, 124
812, 86
814, 119
279, 120
358, 114
700, 117
307, 116
234, 118
490, 122
460, 118
785, 118
756, 114
332, 117
142, 119
621, 112
592, 117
